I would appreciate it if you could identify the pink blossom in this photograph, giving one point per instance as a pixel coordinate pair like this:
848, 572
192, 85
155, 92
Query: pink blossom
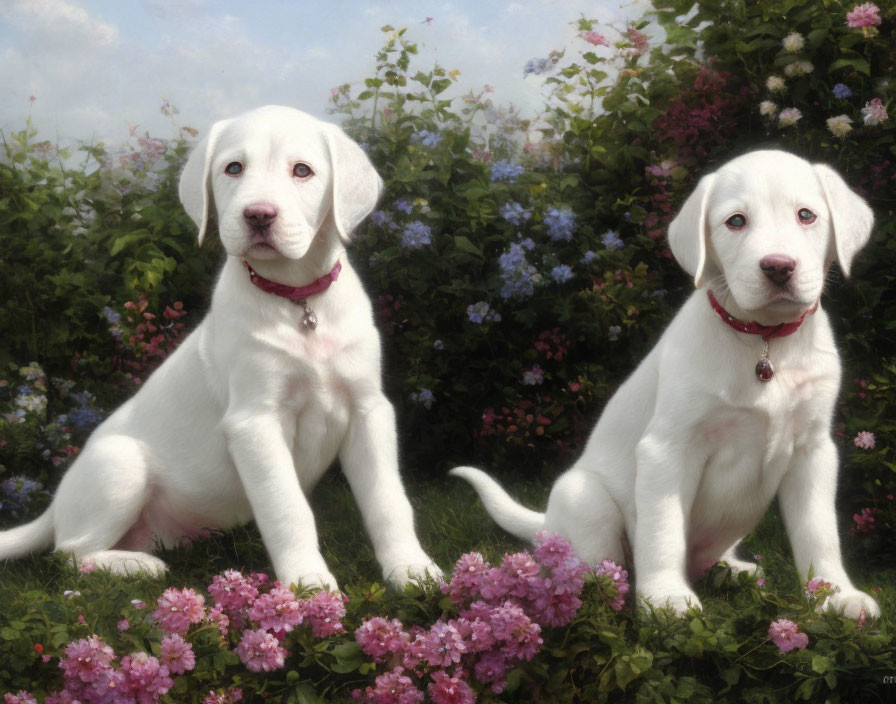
445, 689
874, 112
864, 521
380, 638
177, 654
785, 634
146, 677
278, 610
85, 660
865, 440
816, 584
229, 696
469, 573
415, 651
521, 637
519, 574
491, 669
393, 687
325, 610
595, 38
639, 39
217, 615
760, 582
233, 591
620, 581
178, 609
260, 650
124, 624
444, 645
22, 697
864, 15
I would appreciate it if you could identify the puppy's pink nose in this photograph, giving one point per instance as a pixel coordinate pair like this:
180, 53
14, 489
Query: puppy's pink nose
260, 214
778, 268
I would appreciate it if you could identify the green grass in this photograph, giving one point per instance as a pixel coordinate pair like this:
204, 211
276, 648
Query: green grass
450, 521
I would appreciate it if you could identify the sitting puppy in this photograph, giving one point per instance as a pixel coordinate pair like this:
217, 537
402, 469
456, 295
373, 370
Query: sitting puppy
733, 405
280, 378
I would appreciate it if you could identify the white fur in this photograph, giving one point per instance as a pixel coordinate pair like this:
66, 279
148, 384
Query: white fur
692, 448
248, 413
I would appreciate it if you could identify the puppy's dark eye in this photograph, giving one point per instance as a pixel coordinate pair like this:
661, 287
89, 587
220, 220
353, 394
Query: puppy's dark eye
806, 216
736, 221
234, 168
301, 170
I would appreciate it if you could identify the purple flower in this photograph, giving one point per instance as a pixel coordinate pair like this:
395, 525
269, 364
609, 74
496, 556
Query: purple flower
380, 638
561, 273
561, 223
178, 609
22, 697
444, 645
537, 66
533, 376
17, 492
611, 241
325, 611
85, 660
278, 610
514, 213
393, 687
381, 218
785, 634
259, 650
177, 654
427, 138
146, 677
588, 257
518, 276
470, 572
841, 91
864, 440
415, 235
519, 575
424, 397
520, 635
491, 668
481, 312
620, 582
403, 206
506, 170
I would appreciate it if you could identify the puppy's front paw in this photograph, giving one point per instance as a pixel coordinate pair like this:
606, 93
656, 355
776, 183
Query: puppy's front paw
315, 579
418, 568
680, 602
851, 604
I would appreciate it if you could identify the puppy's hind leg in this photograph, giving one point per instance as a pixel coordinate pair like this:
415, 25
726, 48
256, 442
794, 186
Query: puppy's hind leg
582, 511
99, 504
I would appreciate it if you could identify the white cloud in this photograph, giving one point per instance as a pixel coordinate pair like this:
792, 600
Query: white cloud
57, 23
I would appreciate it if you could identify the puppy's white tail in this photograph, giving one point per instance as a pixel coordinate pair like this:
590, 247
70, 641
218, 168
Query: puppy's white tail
37, 535
511, 516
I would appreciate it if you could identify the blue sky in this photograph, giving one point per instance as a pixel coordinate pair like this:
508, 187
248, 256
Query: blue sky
97, 66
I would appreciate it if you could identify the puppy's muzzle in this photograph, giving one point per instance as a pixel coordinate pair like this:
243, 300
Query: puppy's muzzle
778, 268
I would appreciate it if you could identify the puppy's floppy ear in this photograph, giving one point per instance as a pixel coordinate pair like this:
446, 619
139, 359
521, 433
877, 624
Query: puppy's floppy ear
195, 186
851, 218
356, 184
688, 232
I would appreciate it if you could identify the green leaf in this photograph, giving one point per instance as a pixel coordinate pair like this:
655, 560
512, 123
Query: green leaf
464, 244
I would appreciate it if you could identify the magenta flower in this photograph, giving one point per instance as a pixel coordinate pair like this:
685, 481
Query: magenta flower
393, 687
177, 654
445, 689
470, 572
521, 638
785, 634
22, 697
260, 650
865, 440
519, 575
620, 581
864, 15
380, 638
491, 669
85, 660
444, 645
278, 610
325, 611
146, 677
178, 609
595, 38
816, 584
233, 591
864, 521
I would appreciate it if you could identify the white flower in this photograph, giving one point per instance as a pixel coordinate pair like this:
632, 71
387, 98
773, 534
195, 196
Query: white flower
793, 42
767, 108
798, 68
789, 117
775, 84
840, 126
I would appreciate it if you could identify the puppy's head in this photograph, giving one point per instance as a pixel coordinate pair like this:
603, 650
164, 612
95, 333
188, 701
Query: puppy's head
767, 226
276, 175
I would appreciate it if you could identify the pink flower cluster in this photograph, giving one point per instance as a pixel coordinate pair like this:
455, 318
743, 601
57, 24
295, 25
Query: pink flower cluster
786, 635
501, 613
864, 521
864, 15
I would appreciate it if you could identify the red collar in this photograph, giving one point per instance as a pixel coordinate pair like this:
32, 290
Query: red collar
293, 293
767, 332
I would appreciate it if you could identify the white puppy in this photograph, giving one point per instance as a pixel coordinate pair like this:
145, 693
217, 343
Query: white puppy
693, 447
248, 413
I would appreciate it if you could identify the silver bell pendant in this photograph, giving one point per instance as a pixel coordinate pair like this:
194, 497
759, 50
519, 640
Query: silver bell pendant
764, 369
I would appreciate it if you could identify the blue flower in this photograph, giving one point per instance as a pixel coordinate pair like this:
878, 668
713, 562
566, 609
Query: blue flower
613, 332
841, 91
402, 205
381, 218
17, 491
588, 257
506, 170
560, 223
527, 243
518, 275
416, 234
438, 345
111, 315
514, 213
85, 418
611, 241
536, 66
83, 399
427, 138
481, 312
424, 397
561, 274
